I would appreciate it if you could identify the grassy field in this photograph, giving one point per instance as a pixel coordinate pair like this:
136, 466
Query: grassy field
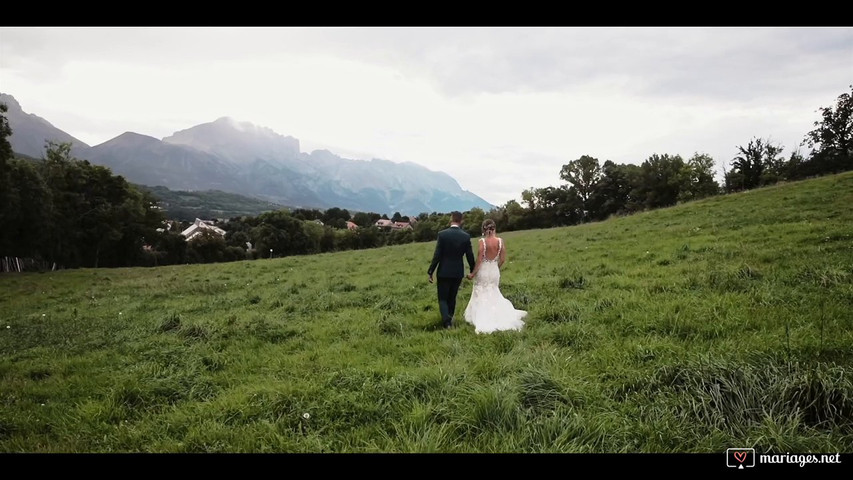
721, 323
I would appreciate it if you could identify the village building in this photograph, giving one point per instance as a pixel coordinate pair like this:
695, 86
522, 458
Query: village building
391, 225
200, 226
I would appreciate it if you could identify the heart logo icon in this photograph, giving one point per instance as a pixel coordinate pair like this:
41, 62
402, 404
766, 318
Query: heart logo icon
740, 456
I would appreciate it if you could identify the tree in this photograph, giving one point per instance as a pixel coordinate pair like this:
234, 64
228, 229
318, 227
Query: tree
170, 248
207, 247
616, 191
281, 232
528, 196
6, 153
398, 237
26, 206
237, 238
336, 217
472, 221
426, 230
346, 239
314, 235
832, 139
747, 166
795, 167
8, 199
582, 174
96, 218
757, 164
556, 206
369, 237
328, 241
774, 164
514, 216
699, 179
661, 180
306, 214
73, 213
365, 219
564, 206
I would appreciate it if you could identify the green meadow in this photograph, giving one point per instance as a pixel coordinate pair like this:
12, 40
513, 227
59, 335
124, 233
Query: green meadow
721, 323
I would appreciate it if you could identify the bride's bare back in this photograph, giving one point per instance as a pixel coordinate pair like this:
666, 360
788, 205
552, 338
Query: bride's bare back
495, 249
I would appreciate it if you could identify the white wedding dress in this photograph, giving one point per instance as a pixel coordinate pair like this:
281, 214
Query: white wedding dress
487, 309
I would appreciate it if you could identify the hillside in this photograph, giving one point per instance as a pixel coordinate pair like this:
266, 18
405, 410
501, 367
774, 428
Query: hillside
714, 324
183, 205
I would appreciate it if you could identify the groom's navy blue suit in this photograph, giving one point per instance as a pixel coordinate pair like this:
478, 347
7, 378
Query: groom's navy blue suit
453, 243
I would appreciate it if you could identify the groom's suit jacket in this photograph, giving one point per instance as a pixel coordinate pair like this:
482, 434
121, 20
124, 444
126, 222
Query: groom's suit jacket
453, 243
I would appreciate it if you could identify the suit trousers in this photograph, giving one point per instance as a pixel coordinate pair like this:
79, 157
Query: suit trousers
448, 288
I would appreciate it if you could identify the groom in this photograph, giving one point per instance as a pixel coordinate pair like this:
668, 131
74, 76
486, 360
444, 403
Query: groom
452, 244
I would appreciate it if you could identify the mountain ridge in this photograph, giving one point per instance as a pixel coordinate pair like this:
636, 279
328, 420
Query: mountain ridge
247, 159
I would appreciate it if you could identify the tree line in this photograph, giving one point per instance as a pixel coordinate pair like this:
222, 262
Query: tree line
69, 212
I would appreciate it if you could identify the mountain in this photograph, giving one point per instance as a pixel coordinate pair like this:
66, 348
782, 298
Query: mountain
29, 132
246, 159
240, 142
148, 161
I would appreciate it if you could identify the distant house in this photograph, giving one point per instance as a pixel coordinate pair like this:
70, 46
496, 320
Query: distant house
200, 226
168, 225
390, 225
351, 225
384, 223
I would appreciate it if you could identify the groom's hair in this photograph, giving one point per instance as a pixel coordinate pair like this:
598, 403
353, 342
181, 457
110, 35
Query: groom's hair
456, 217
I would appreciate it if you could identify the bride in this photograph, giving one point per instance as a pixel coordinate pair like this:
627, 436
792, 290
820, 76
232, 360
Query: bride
488, 310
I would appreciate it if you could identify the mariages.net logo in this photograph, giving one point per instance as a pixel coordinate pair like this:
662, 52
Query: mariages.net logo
741, 458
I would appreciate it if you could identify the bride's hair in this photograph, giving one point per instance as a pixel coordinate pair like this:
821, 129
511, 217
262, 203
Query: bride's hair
488, 225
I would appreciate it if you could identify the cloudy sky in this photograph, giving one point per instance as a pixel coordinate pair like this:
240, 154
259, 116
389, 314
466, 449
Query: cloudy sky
499, 109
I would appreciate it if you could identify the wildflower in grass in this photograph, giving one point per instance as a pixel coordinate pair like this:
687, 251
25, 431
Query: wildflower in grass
303, 425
